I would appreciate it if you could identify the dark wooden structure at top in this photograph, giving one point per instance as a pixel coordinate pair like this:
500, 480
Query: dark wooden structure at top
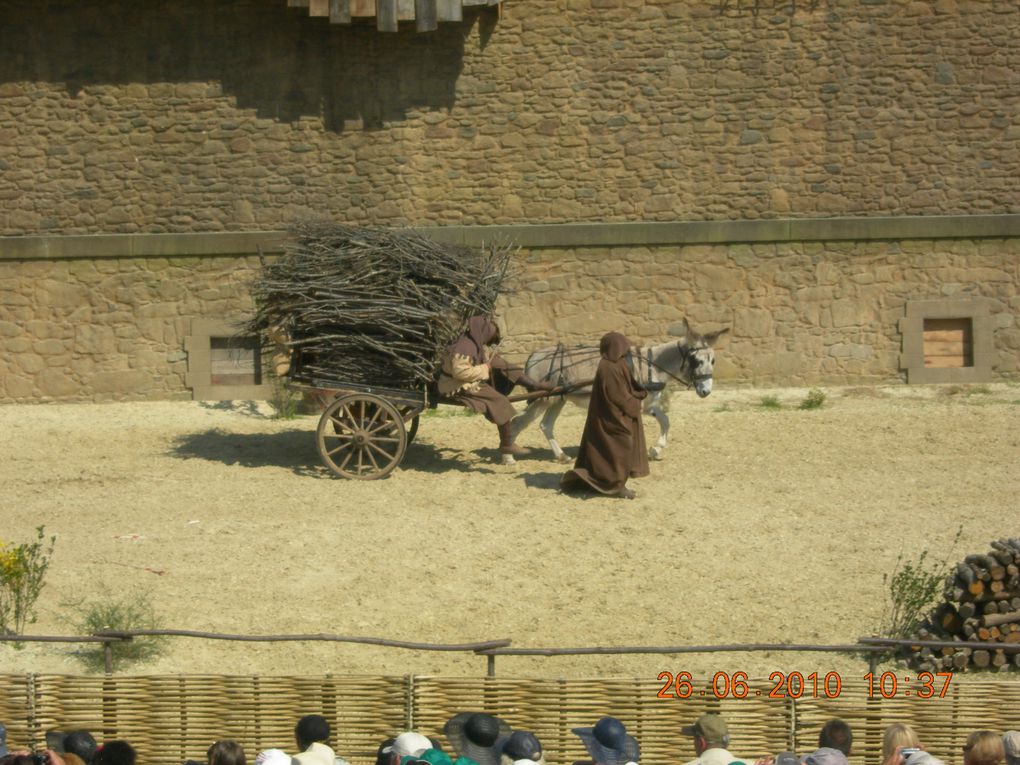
426, 14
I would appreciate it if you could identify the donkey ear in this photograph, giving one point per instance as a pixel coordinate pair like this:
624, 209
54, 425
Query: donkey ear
711, 337
679, 328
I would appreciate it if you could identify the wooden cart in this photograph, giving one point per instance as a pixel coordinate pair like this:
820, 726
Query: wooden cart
364, 430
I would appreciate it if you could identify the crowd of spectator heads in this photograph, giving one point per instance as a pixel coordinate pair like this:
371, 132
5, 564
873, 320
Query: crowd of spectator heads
478, 738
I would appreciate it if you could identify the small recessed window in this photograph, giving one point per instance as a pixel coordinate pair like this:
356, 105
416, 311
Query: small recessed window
948, 343
223, 364
234, 361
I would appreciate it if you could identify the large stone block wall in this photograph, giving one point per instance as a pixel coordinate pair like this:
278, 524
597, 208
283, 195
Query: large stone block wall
188, 115
109, 329
798, 312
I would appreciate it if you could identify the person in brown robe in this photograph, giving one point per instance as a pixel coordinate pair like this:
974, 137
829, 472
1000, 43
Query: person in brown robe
469, 373
613, 443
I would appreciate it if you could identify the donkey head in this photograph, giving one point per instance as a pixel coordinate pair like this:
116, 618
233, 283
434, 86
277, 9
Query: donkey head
698, 355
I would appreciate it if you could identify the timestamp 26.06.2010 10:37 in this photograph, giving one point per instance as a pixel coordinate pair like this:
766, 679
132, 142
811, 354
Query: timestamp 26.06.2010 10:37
796, 685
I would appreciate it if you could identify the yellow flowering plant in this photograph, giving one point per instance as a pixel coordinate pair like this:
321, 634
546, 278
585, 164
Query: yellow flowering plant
22, 571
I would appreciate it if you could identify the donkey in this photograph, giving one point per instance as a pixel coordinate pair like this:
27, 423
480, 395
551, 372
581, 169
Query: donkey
688, 360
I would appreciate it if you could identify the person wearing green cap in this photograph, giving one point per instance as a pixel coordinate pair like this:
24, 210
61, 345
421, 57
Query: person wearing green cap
711, 737
435, 757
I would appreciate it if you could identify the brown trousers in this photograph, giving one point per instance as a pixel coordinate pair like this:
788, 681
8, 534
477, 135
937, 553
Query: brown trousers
488, 401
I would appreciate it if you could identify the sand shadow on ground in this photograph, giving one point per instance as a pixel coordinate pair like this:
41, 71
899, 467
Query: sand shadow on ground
295, 450
291, 449
548, 481
243, 408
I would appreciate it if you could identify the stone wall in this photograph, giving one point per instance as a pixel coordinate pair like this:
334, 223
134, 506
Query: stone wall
187, 115
798, 312
109, 329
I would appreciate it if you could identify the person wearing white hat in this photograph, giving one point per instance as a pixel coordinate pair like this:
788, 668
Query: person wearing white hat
407, 744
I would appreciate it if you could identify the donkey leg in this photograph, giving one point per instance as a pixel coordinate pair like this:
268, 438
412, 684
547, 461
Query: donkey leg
660, 445
528, 416
548, 425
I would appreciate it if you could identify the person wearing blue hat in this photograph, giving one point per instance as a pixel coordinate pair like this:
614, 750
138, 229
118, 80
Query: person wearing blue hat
608, 743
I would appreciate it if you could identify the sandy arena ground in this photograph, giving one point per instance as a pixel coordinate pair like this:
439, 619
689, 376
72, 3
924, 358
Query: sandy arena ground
757, 526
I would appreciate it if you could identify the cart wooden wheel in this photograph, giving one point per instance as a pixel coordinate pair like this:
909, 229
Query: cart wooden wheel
361, 436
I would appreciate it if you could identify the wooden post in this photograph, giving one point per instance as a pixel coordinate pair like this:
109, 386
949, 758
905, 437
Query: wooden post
108, 657
491, 666
339, 11
425, 19
386, 15
449, 10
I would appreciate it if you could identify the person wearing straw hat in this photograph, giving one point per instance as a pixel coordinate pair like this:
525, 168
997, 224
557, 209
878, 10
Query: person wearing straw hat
477, 736
471, 373
608, 743
711, 737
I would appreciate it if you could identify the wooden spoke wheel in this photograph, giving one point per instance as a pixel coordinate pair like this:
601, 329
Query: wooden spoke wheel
361, 436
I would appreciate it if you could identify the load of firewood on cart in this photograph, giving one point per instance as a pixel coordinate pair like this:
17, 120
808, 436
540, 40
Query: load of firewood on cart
370, 306
359, 318
981, 604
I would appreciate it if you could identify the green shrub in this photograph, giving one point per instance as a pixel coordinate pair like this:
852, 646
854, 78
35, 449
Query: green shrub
22, 572
127, 612
915, 587
815, 399
286, 404
770, 402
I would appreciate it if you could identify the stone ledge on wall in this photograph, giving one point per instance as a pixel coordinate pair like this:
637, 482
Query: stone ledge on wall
61, 247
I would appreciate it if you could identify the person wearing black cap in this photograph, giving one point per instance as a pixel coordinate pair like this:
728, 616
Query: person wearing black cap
523, 747
608, 743
81, 743
477, 736
711, 737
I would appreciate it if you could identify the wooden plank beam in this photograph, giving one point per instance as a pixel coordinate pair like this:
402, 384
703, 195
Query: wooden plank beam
425, 19
363, 8
386, 15
318, 8
449, 10
339, 11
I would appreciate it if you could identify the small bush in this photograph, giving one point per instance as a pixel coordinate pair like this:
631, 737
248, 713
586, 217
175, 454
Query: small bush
22, 573
815, 399
126, 612
286, 404
914, 589
770, 402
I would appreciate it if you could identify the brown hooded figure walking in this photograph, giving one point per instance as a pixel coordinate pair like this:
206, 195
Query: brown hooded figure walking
469, 370
613, 444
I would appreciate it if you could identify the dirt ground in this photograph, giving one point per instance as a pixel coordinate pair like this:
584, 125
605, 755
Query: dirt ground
759, 525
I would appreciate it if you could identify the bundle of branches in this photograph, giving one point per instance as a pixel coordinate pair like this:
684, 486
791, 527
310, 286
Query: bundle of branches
372, 306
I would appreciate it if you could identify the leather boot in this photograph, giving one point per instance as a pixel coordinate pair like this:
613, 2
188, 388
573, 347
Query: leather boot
506, 441
531, 386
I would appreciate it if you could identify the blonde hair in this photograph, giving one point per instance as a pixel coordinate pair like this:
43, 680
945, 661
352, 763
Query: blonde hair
898, 734
983, 748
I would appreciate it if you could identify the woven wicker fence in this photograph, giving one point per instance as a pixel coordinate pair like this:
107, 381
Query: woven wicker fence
173, 718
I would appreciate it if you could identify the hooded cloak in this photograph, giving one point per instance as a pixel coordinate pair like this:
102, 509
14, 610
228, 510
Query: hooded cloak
613, 443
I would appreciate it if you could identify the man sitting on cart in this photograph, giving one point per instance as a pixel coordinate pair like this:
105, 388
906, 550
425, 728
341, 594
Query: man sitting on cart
471, 372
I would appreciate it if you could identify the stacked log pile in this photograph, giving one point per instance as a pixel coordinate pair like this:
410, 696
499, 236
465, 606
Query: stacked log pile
371, 306
981, 604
